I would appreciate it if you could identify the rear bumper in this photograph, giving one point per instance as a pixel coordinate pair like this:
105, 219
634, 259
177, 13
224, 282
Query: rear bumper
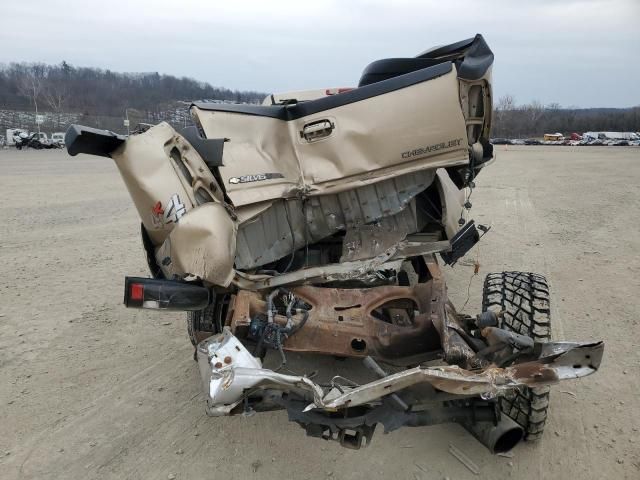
228, 370
235, 382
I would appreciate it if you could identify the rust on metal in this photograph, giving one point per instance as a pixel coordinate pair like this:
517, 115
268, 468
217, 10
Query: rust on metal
386, 322
534, 373
456, 350
433, 267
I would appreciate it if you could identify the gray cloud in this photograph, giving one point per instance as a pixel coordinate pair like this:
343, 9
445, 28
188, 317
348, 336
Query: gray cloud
578, 52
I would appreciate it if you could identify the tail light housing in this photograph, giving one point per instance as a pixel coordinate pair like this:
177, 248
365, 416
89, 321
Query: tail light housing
164, 294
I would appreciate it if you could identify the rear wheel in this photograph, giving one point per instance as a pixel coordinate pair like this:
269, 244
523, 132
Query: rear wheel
524, 300
200, 325
204, 323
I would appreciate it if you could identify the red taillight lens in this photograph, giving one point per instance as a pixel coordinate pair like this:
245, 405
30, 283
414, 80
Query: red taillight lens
136, 292
164, 294
335, 91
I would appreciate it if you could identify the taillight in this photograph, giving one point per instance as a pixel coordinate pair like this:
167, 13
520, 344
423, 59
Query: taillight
136, 291
335, 91
164, 294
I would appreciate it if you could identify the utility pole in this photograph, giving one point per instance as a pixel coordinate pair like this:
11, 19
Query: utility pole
126, 120
35, 102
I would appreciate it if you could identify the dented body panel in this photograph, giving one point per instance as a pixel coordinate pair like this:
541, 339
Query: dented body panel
359, 150
306, 172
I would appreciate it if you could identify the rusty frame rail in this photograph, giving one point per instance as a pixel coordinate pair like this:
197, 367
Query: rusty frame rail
343, 322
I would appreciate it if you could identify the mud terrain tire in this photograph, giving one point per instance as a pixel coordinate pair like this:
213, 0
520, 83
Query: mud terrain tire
204, 323
199, 324
524, 299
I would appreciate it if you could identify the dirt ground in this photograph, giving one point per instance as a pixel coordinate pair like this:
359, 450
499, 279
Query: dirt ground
89, 389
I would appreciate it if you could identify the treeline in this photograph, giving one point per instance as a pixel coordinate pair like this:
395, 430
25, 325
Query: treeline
96, 93
93, 91
535, 119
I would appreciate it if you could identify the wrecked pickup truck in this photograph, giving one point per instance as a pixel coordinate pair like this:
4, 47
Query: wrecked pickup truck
312, 227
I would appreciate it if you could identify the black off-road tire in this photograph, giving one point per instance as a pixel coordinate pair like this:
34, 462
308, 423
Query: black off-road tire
200, 323
205, 323
524, 300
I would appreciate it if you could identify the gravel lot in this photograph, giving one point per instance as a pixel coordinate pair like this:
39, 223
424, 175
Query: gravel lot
89, 389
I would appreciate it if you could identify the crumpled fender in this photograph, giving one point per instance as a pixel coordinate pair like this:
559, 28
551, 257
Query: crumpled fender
201, 245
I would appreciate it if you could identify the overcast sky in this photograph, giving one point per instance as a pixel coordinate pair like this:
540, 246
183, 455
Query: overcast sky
582, 53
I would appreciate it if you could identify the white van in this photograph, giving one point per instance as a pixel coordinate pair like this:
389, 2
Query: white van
57, 138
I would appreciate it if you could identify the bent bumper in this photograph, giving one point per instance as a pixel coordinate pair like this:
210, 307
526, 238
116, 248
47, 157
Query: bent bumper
229, 372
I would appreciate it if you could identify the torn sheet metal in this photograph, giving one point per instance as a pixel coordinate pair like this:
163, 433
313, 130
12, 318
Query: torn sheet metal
228, 371
160, 168
557, 361
456, 350
391, 259
326, 273
290, 224
200, 246
368, 241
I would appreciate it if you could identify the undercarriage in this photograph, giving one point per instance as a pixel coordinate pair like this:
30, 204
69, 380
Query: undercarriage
424, 363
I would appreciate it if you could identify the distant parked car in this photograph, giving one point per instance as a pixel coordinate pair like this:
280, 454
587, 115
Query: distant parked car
532, 141
501, 141
517, 141
12, 133
33, 140
553, 137
57, 138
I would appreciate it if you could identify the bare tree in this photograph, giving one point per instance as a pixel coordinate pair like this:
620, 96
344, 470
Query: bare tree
506, 103
30, 83
94, 93
56, 90
534, 111
503, 112
55, 93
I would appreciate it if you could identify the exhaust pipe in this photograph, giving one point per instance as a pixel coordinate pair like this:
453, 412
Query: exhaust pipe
498, 438
479, 421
